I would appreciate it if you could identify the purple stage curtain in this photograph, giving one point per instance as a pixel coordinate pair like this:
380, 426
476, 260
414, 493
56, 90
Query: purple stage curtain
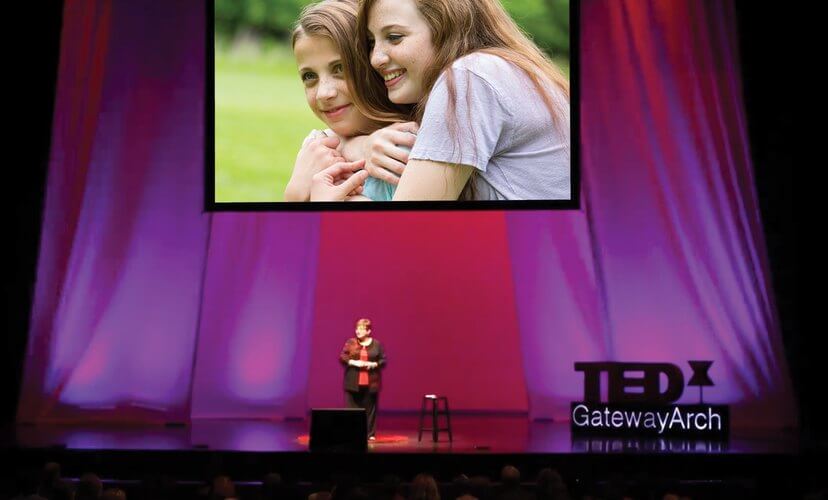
111, 332
261, 274
146, 308
678, 265
130, 268
559, 306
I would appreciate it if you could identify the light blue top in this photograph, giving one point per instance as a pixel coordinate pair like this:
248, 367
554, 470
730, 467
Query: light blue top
379, 190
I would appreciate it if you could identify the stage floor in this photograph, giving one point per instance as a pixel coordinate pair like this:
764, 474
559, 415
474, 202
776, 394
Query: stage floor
395, 434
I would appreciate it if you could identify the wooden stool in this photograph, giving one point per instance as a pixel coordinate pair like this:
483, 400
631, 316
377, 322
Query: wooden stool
436, 411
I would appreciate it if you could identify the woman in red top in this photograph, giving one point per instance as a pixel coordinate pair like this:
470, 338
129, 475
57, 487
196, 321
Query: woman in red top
363, 358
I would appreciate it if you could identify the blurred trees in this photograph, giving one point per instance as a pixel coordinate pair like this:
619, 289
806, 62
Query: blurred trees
547, 21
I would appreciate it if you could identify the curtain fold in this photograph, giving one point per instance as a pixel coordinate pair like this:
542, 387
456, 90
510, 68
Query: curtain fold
253, 346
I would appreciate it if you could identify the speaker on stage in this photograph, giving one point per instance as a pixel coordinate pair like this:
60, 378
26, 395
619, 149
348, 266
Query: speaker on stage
338, 430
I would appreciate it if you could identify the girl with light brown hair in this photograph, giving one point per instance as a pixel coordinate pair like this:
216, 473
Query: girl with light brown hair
493, 108
323, 43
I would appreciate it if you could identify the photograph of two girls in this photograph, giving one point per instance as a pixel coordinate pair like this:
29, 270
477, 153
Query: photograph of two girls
392, 100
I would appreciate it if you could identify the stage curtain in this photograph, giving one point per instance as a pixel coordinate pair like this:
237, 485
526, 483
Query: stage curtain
666, 260
123, 243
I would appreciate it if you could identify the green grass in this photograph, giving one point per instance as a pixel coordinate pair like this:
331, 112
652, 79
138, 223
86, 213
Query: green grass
261, 118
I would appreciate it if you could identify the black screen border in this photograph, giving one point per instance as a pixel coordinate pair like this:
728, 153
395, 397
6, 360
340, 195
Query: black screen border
211, 205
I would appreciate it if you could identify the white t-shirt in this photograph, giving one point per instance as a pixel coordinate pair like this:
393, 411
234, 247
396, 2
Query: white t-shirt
503, 130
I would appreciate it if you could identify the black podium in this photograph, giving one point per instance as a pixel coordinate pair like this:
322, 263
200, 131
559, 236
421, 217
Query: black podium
338, 430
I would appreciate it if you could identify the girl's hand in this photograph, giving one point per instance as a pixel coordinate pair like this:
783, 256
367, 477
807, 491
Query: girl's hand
318, 152
338, 182
384, 158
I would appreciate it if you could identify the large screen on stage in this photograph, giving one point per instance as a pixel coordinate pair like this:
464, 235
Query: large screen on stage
447, 104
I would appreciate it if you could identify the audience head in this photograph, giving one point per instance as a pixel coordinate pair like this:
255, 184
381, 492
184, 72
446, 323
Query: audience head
48, 477
62, 490
424, 487
481, 486
510, 476
223, 488
392, 486
272, 486
462, 485
113, 494
90, 487
550, 486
